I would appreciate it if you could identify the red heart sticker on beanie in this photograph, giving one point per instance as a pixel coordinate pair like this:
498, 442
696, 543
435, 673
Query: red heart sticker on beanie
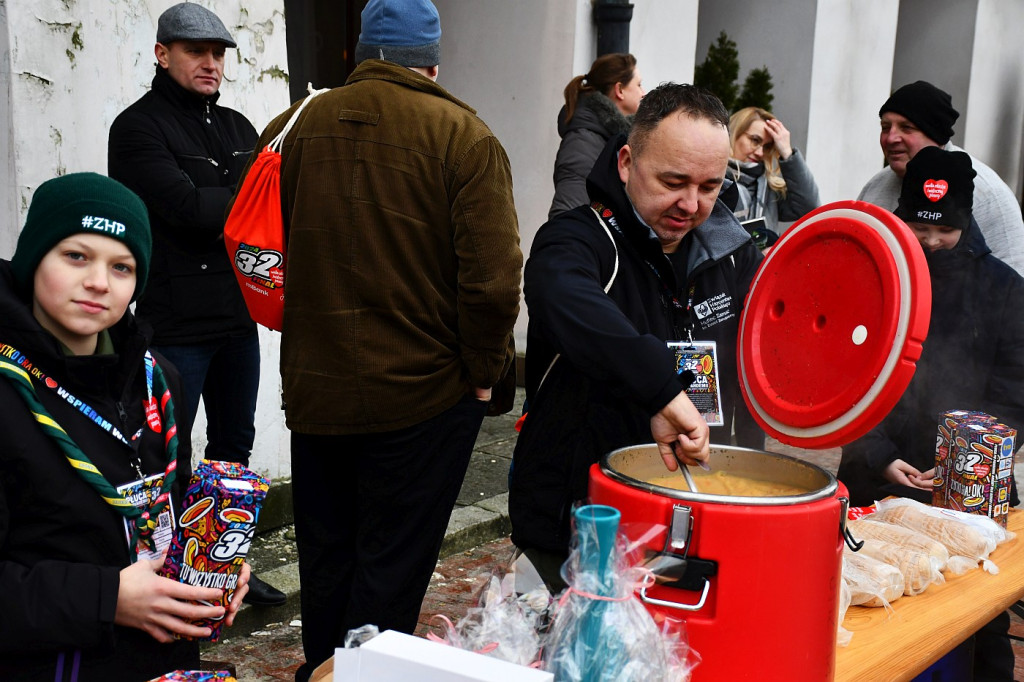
935, 189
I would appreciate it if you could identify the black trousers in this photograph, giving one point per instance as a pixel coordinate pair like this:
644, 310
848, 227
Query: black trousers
371, 512
993, 651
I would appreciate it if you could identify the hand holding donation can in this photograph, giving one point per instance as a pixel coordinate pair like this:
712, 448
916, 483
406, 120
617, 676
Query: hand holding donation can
221, 509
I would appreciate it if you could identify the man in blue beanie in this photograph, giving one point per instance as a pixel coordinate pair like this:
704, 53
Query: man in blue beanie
403, 289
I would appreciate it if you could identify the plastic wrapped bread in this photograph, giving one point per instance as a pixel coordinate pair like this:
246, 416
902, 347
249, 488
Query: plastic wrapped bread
843, 636
919, 569
870, 529
872, 582
959, 536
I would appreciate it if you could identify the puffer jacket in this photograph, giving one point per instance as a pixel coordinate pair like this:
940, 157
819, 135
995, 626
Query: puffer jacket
183, 155
595, 121
61, 546
973, 359
403, 254
615, 370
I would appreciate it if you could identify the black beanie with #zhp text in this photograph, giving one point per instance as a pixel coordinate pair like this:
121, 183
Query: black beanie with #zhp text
82, 203
938, 189
927, 107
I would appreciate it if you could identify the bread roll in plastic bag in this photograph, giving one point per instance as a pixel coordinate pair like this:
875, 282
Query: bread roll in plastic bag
843, 636
958, 565
872, 582
919, 569
869, 529
963, 534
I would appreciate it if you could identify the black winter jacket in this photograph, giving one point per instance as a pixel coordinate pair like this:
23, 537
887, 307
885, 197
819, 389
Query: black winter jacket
615, 370
61, 545
183, 155
973, 359
595, 120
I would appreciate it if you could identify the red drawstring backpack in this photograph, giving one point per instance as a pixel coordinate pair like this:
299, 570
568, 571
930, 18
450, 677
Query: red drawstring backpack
254, 231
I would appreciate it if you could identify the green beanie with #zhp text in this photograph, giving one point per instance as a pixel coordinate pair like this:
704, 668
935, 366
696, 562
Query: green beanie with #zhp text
82, 203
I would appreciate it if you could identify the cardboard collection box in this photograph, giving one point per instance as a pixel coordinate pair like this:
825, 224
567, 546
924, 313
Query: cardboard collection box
221, 508
974, 464
396, 657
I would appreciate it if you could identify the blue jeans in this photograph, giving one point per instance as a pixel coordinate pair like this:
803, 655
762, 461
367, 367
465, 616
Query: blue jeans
226, 373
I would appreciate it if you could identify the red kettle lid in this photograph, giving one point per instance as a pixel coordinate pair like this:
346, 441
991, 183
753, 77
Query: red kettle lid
833, 325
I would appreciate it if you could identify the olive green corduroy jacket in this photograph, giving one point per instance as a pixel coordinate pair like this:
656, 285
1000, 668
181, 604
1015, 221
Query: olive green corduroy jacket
403, 265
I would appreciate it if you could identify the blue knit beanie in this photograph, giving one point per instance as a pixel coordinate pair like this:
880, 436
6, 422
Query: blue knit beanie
406, 32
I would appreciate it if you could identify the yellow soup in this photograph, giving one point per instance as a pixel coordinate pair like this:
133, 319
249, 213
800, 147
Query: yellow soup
725, 483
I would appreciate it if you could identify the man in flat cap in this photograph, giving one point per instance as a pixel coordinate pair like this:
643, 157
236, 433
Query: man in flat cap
183, 154
921, 115
403, 289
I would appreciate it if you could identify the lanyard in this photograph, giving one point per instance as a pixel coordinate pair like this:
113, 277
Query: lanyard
669, 298
22, 373
38, 376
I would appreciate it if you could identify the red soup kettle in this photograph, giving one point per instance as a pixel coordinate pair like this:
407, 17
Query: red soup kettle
756, 579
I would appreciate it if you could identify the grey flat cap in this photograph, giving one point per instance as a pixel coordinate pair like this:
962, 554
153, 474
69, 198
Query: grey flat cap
189, 21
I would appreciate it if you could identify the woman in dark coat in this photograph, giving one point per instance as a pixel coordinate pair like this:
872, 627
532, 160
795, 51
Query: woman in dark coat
598, 106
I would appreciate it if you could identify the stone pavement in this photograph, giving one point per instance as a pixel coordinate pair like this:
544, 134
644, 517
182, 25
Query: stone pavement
265, 645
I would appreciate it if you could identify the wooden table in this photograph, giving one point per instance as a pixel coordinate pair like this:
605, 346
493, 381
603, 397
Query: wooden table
923, 628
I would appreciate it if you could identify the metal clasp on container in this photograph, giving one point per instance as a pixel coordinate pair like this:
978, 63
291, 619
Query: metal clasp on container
675, 569
682, 526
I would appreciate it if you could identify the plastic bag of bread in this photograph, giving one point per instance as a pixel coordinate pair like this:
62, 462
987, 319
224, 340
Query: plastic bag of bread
869, 529
919, 569
958, 565
872, 582
843, 636
970, 535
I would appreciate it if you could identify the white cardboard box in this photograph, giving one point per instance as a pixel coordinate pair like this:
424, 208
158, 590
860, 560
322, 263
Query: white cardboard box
396, 657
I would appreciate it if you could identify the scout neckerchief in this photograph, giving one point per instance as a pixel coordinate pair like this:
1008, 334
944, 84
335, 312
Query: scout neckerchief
20, 371
668, 297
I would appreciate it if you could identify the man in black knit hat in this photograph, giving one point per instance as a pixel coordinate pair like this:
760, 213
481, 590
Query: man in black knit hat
973, 358
921, 115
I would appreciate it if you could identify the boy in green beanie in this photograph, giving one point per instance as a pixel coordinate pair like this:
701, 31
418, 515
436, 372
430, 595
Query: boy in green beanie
91, 465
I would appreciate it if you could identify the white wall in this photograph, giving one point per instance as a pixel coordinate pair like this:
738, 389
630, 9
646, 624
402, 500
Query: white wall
930, 32
851, 72
510, 61
774, 35
9, 216
995, 105
661, 37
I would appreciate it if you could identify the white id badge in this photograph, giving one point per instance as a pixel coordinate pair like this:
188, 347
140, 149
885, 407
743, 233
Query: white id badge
701, 358
141, 494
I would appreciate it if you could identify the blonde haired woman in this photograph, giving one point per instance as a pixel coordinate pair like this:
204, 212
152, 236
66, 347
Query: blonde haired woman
773, 179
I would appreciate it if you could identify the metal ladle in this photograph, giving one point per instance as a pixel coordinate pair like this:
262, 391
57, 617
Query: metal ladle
689, 477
